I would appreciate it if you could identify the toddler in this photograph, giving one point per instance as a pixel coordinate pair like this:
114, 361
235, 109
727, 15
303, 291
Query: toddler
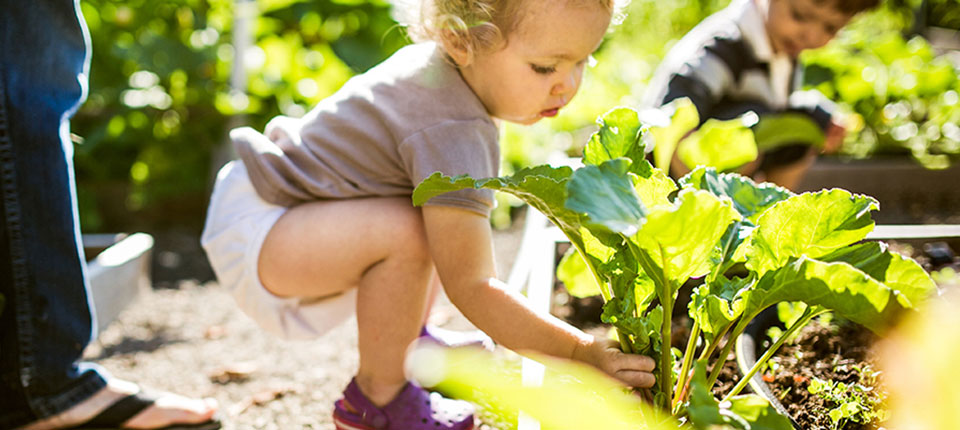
315, 221
744, 58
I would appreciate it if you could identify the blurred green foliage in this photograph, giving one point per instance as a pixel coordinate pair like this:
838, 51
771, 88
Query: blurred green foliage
904, 95
161, 103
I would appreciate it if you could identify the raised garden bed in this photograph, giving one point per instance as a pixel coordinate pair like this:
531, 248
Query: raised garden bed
838, 353
842, 353
908, 193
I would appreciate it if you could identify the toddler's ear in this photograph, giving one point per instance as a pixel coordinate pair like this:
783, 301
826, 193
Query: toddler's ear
457, 46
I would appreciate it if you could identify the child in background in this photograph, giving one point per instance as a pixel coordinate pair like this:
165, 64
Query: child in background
744, 58
315, 221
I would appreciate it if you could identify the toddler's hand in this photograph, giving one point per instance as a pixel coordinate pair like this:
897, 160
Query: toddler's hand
633, 369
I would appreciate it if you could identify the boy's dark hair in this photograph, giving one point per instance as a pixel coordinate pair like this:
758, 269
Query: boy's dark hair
851, 7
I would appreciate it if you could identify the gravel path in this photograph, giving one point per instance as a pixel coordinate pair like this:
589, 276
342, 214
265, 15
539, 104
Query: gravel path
194, 341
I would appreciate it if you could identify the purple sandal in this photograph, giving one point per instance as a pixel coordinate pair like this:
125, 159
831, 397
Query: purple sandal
412, 409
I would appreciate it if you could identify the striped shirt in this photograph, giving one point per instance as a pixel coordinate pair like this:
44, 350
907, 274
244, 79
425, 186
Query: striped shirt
727, 60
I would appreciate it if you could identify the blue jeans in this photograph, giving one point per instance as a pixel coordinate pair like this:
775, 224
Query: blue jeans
47, 320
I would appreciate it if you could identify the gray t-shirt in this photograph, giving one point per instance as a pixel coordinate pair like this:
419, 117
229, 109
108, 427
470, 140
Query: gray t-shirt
381, 134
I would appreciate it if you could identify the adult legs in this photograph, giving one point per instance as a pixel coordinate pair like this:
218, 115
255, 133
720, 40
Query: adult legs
47, 321
376, 245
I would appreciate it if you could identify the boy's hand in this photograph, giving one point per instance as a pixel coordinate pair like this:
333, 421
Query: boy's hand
632, 369
834, 138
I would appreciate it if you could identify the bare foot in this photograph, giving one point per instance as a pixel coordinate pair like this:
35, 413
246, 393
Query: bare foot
168, 409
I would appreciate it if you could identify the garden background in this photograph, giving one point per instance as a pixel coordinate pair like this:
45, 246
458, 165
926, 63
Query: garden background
169, 78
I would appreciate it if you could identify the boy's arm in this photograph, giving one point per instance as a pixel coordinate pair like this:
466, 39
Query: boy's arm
706, 72
460, 242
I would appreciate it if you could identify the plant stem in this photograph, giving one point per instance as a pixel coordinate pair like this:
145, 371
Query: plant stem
666, 356
805, 318
716, 341
687, 362
718, 365
606, 292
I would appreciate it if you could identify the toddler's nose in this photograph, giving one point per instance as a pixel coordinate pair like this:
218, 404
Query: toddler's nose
566, 85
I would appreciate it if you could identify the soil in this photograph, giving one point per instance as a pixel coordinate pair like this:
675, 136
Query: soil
836, 352
827, 352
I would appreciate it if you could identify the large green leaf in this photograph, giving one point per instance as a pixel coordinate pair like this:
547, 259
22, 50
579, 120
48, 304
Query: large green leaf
703, 409
897, 272
775, 130
749, 198
620, 135
652, 185
576, 276
759, 413
643, 331
605, 194
678, 240
749, 412
674, 121
725, 145
719, 303
811, 224
838, 286
543, 187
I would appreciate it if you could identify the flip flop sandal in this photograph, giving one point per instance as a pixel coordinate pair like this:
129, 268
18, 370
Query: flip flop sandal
413, 409
120, 412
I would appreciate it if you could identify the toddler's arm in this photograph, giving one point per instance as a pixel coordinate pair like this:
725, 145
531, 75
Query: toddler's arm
460, 243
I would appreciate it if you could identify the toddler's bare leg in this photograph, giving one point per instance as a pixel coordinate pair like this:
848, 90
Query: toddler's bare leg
377, 245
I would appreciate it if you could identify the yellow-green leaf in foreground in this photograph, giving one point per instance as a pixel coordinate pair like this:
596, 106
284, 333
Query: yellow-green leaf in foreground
920, 372
571, 395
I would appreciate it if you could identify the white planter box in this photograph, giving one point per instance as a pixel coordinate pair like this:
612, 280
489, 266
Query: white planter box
117, 274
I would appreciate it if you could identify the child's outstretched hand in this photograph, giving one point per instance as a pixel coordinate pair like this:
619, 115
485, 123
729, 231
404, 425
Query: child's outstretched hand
633, 369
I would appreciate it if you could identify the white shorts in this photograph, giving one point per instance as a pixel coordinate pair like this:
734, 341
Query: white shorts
238, 221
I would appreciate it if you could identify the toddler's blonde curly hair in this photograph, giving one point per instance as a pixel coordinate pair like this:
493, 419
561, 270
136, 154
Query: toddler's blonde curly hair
476, 25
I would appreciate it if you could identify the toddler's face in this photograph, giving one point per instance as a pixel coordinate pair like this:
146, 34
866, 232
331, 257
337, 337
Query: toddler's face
539, 69
796, 25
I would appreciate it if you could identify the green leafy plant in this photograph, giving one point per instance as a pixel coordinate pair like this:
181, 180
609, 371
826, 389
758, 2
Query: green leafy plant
855, 402
903, 96
641, 236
